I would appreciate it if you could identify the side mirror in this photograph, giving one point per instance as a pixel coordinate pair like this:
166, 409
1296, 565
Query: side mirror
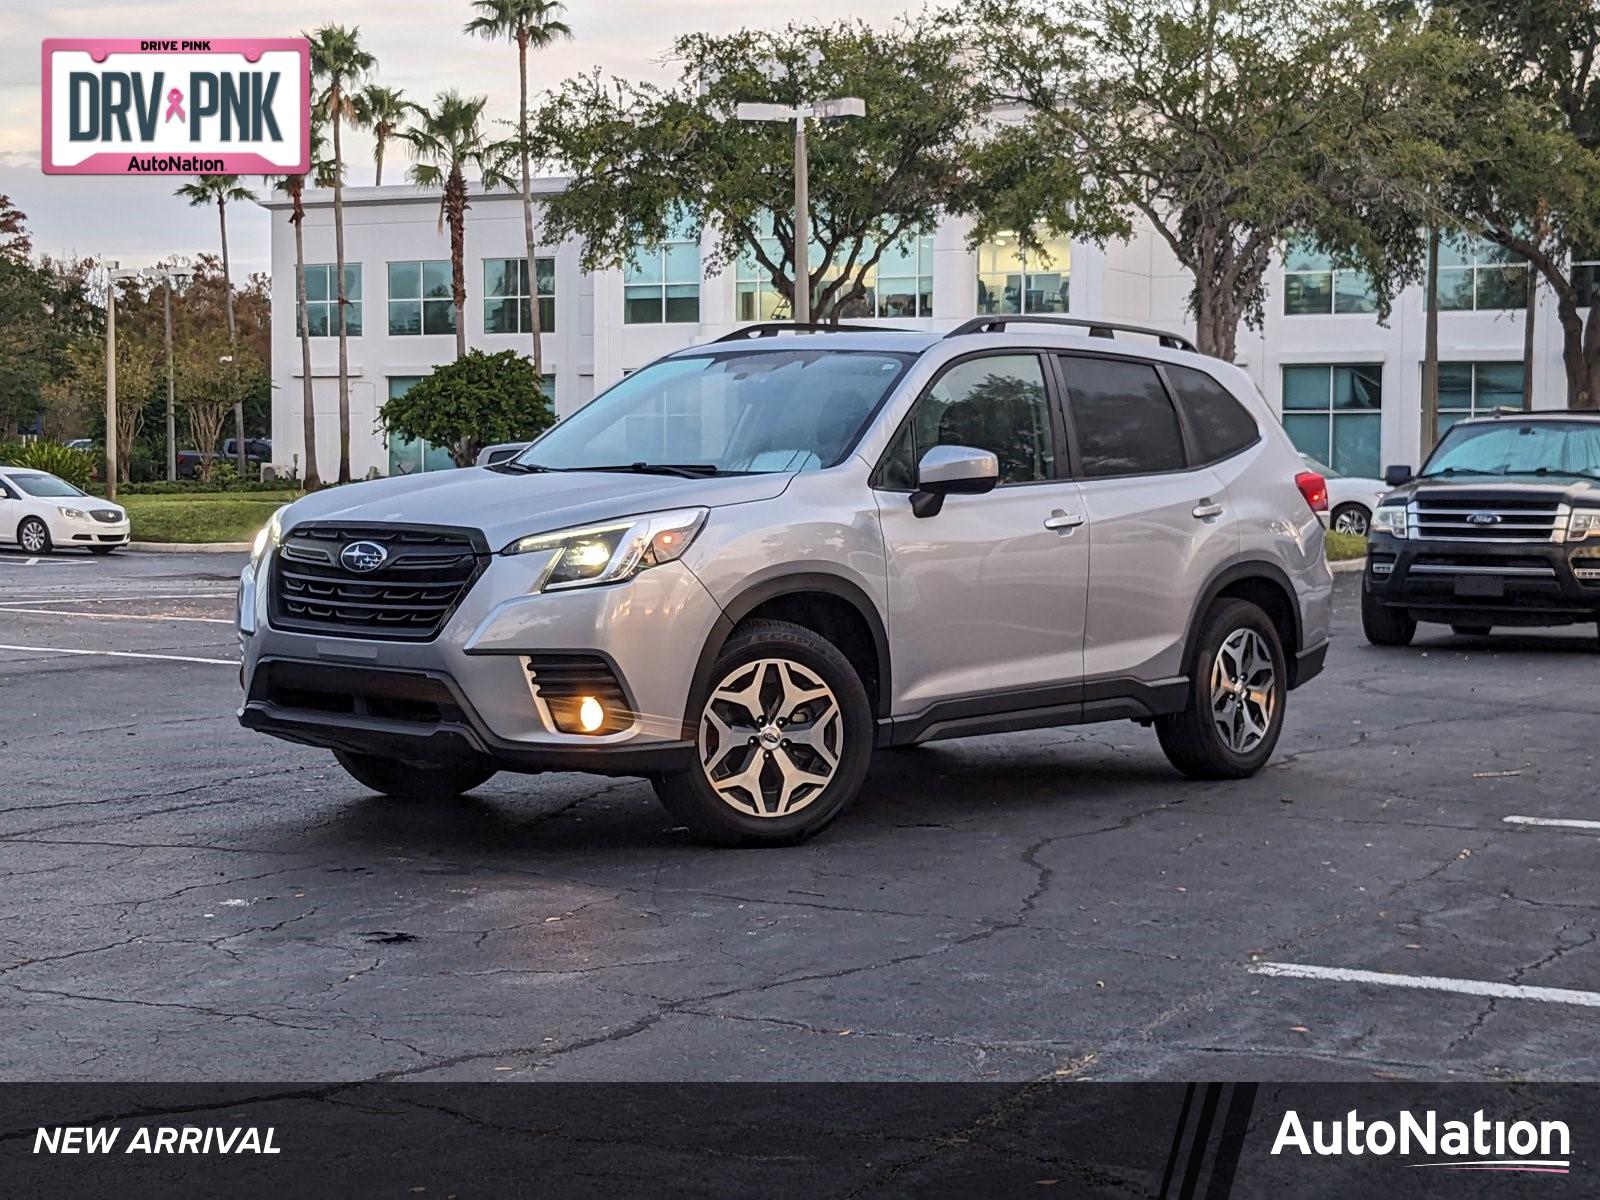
1394, 476
952, 471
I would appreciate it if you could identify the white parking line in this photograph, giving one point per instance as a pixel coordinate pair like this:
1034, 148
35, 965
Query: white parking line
1554, 822
1431, 983
221, 662
108, 599
105, 616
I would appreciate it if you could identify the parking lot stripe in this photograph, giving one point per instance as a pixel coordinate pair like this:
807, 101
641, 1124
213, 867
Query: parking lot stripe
105, 616
1431, 983
108, 599
1555, 822
221, 662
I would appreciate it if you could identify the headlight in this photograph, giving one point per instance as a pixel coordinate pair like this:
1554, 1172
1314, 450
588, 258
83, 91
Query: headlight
74, 514
1583, 523
1390, 519
611, 552
269, 537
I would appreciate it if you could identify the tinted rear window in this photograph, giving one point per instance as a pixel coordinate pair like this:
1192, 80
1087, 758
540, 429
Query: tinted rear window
1126, 425
1222, 426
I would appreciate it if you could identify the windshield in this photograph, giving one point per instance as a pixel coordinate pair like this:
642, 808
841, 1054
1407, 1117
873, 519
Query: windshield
763, 412
45, 485
1513, 447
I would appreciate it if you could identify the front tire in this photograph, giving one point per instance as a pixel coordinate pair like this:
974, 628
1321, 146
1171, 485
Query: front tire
412, 781
34, 537
1238, 686
1350, 518
783, 732
1385, 626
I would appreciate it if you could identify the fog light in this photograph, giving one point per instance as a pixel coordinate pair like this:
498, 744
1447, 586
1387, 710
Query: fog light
591, 714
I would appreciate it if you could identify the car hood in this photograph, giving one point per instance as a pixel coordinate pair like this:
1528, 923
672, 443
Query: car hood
1554, 488
505, 507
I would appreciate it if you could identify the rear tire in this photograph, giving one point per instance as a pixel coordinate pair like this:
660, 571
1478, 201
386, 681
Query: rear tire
1385, 626
411, 781
783, 736
1471, 630
1238, 687
34, 537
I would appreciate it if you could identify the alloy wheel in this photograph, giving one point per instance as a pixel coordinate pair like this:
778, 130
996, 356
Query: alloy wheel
33, 537
771, 736
1351, 520
1244, 694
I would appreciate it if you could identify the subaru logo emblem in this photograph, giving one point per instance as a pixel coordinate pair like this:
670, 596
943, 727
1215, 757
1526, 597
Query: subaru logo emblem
1483, 518
363, 556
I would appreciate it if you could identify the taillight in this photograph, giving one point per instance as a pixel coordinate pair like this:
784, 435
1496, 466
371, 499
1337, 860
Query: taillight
1314, 488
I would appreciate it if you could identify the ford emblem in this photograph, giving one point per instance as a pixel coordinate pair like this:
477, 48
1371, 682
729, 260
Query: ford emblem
1483, 518
363, 556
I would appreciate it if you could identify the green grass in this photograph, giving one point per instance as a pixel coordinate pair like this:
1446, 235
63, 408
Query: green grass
202, 517
1345, 546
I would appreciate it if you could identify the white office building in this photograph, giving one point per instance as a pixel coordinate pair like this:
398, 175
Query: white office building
1348, 388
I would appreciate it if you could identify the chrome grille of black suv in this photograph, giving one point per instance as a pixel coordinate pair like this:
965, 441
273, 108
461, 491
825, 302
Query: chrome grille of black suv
426, 572
1486, 519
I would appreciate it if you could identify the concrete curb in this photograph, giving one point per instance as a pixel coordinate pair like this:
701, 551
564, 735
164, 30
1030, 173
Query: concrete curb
190, 547
1348, 567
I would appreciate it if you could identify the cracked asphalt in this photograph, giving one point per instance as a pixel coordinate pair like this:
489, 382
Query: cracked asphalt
181, 899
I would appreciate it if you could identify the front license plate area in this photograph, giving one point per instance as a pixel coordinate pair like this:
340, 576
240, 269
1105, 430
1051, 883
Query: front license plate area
1480, 587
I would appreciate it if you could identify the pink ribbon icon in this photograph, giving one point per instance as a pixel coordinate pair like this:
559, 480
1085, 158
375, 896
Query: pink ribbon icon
174, 106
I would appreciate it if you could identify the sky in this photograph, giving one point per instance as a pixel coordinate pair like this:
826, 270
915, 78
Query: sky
419, 46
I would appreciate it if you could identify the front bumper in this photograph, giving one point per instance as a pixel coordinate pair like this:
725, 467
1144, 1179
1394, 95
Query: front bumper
467, 694
69, 531
1510, 583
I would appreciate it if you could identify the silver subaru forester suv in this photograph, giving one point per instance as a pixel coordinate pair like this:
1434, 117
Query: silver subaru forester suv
747, 566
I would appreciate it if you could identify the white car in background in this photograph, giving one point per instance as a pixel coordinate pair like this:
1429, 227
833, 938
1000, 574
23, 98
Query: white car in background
41, 512
1351, 498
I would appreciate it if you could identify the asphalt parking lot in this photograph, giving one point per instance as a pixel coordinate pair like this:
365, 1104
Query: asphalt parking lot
185, 900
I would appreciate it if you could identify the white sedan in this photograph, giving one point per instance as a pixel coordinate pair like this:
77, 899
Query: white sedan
41, 512
1351, 498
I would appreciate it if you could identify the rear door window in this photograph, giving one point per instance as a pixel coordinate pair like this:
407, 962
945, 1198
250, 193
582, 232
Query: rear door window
1220, 424
1124, 420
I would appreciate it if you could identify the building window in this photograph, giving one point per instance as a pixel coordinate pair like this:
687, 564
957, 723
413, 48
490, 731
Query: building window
1334, 414
1013, 281
661, 283
1313, 285
412, 456
1586, 277
1478, 275
420, 299
322, 299
902, 282
506, 295
899, 285
1469, 389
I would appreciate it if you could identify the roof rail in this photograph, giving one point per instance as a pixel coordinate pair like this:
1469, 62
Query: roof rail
1102, 329
774, 328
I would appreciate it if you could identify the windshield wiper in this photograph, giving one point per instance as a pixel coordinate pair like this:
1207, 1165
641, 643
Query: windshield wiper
1463, 471
1568, 474
681, 470
512, 467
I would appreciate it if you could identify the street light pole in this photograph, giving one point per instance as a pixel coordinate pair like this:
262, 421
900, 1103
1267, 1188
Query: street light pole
172, 416
822, 110
111, 381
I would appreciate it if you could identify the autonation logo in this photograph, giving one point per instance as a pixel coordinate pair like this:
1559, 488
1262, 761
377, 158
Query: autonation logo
1476, 1145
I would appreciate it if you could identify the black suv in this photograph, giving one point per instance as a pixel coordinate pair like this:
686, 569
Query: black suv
1500, 527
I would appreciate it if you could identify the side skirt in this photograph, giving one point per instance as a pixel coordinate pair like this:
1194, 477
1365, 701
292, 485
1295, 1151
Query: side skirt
1118, 698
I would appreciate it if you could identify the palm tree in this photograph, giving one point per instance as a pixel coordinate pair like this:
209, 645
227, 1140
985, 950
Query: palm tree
532, 25
339, 63
218, 190
294, 187
381, 109
445, 141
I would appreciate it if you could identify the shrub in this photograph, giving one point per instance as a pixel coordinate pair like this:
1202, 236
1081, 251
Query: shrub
475, 401
76, 467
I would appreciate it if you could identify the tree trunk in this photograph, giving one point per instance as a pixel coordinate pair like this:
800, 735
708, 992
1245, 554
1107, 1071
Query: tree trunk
233, 344
527, 206
310, 479
456, 212
1589, 394
335, 100
1430, 352
1216, 323
377, 178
